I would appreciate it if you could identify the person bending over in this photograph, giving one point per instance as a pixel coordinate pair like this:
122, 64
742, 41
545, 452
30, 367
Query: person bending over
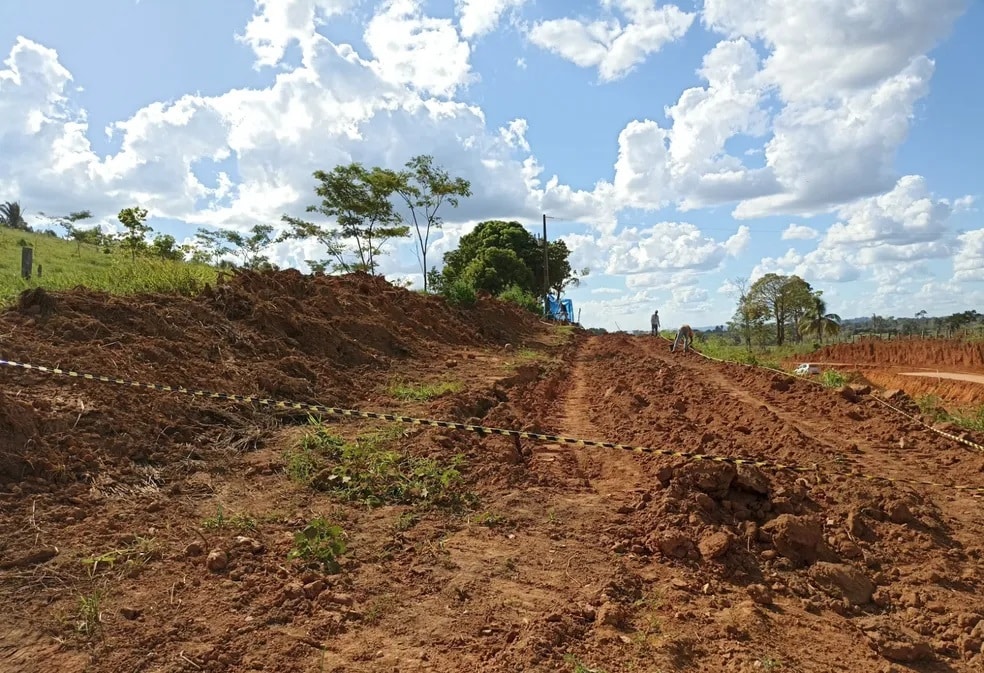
684, 335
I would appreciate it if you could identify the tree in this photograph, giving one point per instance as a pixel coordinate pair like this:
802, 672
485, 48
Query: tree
425, 188
166, 247
250, 247
779, 298
12, 216
496, 270
562, 276
211, 246
748, 315
87, 235
500, 235
134, 221
358, 200
817, 321
799, 297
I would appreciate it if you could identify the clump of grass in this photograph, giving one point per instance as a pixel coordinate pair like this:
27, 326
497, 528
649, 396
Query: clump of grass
832, 378
320, 542
579, 666
89, 615
130, 559
240, 521
971, 418
490, 520
369, 471
421, 392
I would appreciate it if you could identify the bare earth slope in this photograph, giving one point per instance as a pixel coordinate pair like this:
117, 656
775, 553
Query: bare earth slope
624, 561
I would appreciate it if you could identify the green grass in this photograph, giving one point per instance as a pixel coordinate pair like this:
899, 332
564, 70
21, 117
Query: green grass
762, 356
63, 269
421, 392
372, 471
832, 378
240, 521
970, 418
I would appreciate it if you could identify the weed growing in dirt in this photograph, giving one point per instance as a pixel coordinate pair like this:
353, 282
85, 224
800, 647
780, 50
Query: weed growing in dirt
420, 392
320, 542
367, 470
832, 378
770, 664
241, 522
579, 666
490, 520
89, 613
130, 559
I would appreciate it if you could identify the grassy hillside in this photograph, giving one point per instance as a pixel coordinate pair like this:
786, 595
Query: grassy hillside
63, 268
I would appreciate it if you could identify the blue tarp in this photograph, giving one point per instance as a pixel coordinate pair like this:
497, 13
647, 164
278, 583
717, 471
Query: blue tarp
555, 311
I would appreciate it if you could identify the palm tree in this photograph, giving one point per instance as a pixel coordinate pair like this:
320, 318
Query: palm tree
12, 216
818, 321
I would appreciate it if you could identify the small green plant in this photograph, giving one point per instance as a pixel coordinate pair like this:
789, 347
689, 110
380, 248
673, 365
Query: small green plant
832, 378
420, 392
770, 664
520, 297
579, 666
89, 613
131, 558
320, 542
460, 293
490, 520
242, 522
367, 470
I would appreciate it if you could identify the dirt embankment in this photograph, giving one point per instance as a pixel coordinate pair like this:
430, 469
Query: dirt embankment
945, 354
326, 340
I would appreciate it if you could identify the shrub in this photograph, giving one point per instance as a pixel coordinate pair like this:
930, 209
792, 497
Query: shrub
460, 293
517, 295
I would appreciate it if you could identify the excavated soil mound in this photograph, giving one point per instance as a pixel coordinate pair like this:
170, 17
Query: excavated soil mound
275, 334
958, 355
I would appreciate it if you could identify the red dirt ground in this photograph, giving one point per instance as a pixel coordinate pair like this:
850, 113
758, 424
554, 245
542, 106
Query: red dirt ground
957, 356
623, 561
885, 363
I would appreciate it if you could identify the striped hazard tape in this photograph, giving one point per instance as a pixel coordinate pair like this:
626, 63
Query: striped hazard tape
479, 429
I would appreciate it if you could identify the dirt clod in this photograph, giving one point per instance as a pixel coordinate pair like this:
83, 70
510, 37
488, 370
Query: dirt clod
217, 560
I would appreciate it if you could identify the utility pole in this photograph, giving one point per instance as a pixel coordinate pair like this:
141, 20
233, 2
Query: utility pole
546, 267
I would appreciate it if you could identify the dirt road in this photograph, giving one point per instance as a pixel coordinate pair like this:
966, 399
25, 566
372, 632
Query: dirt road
607, 559
973, 378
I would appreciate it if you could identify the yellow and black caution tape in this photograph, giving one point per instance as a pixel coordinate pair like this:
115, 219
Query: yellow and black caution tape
942, 433
480, 429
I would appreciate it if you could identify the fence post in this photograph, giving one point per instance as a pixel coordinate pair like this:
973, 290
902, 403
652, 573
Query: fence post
27, 262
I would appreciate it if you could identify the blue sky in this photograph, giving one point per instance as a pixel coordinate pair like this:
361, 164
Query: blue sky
877, 132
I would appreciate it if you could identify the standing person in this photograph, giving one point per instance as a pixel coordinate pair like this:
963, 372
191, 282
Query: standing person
654, 322
686, 335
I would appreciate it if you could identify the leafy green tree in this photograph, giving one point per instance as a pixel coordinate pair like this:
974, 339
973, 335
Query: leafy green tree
11, 215
250, 247
134, 220
496, 269
211, 246
818, 322
166, 247
779, 298
73, 232
499, 235
799, 297
424, 188
357, 199
561, 275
